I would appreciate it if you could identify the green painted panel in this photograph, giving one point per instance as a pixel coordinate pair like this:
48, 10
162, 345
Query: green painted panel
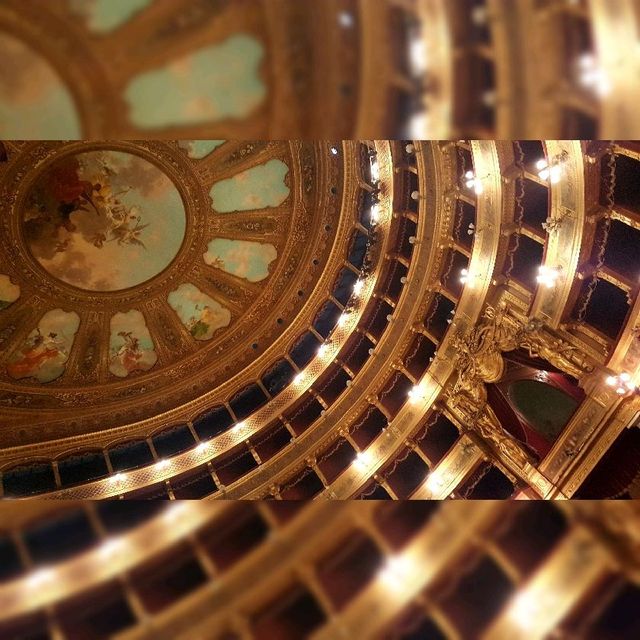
256, 188
200, 314
103, 16
546, 408
198, 149
241, 258
214, 83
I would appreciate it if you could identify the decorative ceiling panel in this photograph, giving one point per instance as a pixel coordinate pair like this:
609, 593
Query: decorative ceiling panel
137, 276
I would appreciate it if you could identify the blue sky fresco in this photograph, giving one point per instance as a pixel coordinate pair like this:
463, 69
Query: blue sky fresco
198, 149
200, 314
127, 225
242, 258
103, 16
256, 188
212, 84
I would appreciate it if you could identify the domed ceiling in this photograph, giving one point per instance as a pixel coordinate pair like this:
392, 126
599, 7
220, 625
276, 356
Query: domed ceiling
127, 69
137, 276
350, 69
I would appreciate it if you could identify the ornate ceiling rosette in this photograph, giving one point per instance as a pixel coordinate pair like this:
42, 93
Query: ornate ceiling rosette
138, 276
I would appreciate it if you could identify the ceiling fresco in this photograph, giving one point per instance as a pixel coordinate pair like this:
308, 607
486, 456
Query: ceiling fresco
44, 353
199, 149
104, 220
137, 276
215, 82
103, 16
33, 96
176, 69
9, 292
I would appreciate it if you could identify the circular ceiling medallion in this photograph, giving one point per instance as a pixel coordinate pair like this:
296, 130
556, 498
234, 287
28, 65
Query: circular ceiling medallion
140, 277
103, 220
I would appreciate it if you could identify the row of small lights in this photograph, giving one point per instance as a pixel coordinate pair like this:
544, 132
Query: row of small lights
107, 551
549, 276
362, 459
588, 72
418, 65
524, 609
416, 395
549, 171
203, 448
399, 570
395, 573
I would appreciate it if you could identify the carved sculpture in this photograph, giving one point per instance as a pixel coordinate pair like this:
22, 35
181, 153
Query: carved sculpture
480, 362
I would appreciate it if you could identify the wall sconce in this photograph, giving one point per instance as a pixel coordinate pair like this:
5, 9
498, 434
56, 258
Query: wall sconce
479, 15
161, 465
591, 75
473, 182
418, 54
117, 478
375, 171
110, 548
622, 383
548, 276
489, 99
346, 19
551, 170
202, 447
374, 215
241, 425
39, 578
419, 125
416, 394
361, 461
396, 571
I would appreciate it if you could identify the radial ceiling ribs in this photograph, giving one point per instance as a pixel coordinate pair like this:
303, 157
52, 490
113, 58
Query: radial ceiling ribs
300, 272
328, 224
87, 571
421, 69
